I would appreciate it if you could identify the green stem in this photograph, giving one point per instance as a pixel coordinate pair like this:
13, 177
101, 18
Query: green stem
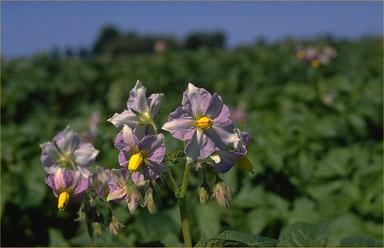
154, 127
183, 208
184, 186
185, 222
172, 182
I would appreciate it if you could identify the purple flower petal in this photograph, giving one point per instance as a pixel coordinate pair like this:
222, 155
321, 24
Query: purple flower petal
117, 185
123, 158
49, 154
126, 117
85, 155
215, 106
62, 179
138, 179
224, 120
227, 160
137, 98
180, 124
199, 147
118, 194
154, 103
152, 170
154, 147
197, 99
221, 137
126, 139
67, 180
67, 140
81, 186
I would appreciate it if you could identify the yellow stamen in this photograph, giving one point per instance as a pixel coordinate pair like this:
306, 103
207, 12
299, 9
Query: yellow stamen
145, 118
63, 200
315, 63
245, 164
204, 123
135, 161
65, 160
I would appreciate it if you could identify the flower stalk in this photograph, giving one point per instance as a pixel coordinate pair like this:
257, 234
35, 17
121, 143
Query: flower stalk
183, 208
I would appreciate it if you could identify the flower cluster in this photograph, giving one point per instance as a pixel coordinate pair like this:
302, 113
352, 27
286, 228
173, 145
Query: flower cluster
66, 159
203, 122
316, 56
141, 150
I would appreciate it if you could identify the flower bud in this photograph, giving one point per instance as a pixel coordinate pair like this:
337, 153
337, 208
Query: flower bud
150, 201
133, 201
97, 229
203, 195
222, 194
115, 226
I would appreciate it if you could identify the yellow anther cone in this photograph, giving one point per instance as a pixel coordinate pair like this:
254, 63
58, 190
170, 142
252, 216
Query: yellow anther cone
315, 63
204, 123
135, 161
63, 200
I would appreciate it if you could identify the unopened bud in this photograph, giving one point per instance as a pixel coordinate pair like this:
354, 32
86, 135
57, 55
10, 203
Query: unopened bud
97, 229
222, 194
203, 194
150, 201
133, 201
115, 226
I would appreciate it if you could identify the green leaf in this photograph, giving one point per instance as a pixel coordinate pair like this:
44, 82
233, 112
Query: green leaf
208, 219
361, 241
237, 239
56, 238
304, 234
259, 218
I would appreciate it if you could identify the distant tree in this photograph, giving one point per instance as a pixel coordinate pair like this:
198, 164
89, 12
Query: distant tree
69, 52
83, 52
55, 52
107, 35
205, 39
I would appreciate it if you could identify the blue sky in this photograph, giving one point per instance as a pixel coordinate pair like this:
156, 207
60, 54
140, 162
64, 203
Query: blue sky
30, 27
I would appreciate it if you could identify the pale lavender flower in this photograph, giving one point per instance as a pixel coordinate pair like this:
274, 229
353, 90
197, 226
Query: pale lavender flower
67, 151
140, 109
203, 121
66, 184
224, 160
141, 155
121, 188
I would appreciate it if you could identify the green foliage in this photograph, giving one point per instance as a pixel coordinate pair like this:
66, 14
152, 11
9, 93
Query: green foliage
360, 241
317, 141
237, 239
304, 234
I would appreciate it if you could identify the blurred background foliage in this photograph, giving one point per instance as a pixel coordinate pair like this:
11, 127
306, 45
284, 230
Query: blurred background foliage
317, 134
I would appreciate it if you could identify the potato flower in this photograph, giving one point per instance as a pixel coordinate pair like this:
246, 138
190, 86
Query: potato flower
121, 189
66, 184
67, 151
203, 121
140, 109
141, 155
